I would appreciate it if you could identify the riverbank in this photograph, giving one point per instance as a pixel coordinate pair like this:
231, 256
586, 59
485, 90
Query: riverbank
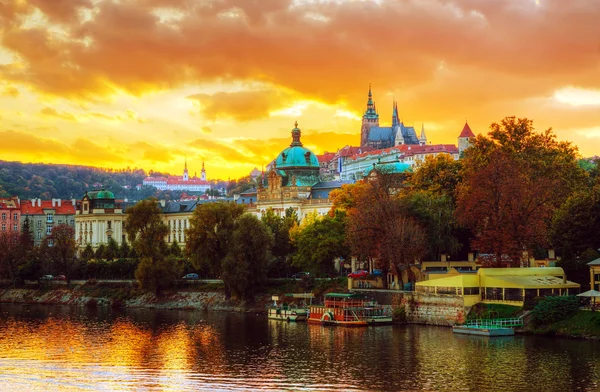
130, 297
582, 325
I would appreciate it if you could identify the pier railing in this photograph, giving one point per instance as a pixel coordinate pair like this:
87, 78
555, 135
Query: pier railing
495, 323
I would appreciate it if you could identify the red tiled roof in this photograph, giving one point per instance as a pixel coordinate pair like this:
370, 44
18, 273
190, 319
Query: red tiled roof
66, 207
430, 149
8, 203
326, 156
466, 132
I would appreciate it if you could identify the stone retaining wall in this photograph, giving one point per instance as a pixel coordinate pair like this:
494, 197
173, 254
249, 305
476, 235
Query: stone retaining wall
421, 308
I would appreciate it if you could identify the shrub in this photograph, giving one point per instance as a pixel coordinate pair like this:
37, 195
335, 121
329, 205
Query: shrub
551, 309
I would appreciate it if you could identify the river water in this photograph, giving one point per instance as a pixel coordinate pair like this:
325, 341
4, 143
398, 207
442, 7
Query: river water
48, 348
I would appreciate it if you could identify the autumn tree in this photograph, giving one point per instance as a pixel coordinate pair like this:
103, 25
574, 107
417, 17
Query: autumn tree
146, 232
62, 250
378, 220
513, 181
437, 175
11, 256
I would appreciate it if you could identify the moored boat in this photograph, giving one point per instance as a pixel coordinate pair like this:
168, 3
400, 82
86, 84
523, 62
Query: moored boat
349, 310
290, 311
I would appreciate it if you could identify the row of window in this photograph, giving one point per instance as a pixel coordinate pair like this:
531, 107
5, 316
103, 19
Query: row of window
15, 227
15, 216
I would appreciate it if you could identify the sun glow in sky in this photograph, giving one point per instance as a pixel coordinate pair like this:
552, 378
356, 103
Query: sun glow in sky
146, 83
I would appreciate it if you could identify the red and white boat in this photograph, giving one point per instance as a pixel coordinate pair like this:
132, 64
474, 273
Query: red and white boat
349, 310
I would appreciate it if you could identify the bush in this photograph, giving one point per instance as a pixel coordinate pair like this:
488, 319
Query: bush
551, 309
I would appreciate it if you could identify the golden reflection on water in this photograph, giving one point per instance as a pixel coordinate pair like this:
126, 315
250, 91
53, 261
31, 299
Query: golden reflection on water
162, 351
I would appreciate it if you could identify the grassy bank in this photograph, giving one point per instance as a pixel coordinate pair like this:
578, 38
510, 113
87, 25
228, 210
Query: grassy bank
582, 325
492, 311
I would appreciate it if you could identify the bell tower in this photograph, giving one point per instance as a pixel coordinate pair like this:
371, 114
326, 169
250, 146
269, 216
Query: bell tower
370, 119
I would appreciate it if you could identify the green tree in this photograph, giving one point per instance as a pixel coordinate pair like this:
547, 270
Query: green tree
319, 244
146, 231
111, 251
175, 249
124, 250
283, 247
87, 254
100, 251
439, 175
209, 235
245, 265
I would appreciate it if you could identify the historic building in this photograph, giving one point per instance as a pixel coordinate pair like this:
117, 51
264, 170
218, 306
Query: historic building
464, 139
10, 215
44, 215
372, 135
292, 181
180, 183
98, 219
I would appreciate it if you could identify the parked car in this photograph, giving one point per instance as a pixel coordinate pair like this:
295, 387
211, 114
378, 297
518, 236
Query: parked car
60, 277
191, 277
300, 275
377, 272
358, 274
47, 277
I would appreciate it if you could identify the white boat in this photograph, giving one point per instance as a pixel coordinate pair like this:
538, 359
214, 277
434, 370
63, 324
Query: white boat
290, 311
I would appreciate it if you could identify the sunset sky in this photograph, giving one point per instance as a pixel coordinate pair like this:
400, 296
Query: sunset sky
147, 83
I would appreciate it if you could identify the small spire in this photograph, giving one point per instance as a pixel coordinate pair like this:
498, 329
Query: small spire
370, 95
203, 164
296, 124
296, 133
185, 168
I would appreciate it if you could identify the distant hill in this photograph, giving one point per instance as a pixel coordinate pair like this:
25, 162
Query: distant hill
46, 181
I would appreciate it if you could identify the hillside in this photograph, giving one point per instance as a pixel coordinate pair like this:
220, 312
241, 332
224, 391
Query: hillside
40, 180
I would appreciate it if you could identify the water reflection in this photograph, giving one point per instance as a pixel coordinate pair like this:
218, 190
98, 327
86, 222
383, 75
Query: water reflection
47, 348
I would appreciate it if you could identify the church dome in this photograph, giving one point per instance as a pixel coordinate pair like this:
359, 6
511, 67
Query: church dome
296, 156
102, 194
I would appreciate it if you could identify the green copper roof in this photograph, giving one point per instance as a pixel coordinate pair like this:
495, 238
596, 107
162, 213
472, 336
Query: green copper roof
296, 156
102, 194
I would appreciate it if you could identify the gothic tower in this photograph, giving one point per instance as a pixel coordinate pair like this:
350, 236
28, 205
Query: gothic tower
203, 172
185, 172
422, 138
370, 119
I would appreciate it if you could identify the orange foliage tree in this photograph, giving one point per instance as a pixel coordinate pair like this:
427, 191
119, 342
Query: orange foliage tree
513, 181
379, 228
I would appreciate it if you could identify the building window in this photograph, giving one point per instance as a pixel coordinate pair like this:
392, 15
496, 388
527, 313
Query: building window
72, 222
50, 242
15, 227
15, 216
3, 216
109, 224
39, 234
39, 224
48, 230
4, 227
60, 222
108, 236
49, 218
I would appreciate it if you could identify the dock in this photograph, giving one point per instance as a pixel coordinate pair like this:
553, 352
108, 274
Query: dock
489, 327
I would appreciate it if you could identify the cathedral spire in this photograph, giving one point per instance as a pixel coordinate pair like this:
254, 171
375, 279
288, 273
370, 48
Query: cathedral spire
371, 112
395, 120
422, 138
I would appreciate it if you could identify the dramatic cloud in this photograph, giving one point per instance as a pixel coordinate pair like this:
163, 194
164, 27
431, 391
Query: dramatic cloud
106, 63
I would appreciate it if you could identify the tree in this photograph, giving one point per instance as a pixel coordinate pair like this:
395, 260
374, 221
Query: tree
282, 245
124, 250
146, 231
111, 251
87, 254
514, 179
320, 243
100, 251
435, 211
438, 175
245, 265
63, 252
11, 256
209, 235
175, 249
576, 224
378, 220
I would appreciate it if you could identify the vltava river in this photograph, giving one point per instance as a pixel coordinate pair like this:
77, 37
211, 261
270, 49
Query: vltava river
49, 348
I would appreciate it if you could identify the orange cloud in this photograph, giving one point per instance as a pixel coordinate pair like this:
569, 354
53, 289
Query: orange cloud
51, 112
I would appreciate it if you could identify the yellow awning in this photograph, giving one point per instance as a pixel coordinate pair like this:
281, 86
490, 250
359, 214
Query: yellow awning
529, 282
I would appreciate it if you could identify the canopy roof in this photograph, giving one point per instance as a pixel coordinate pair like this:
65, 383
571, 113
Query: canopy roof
590, 293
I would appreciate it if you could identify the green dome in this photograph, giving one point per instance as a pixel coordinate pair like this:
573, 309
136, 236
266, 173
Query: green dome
296, 156
103, 194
